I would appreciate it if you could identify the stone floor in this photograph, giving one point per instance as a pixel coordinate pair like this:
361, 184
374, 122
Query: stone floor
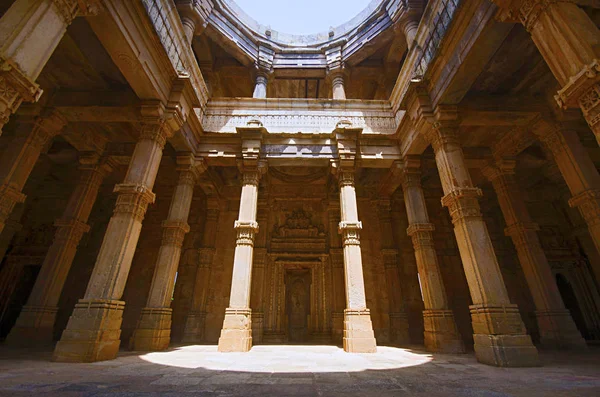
296, 371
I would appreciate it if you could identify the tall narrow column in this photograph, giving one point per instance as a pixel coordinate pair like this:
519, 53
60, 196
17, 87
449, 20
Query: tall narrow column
195, 320
398, 318
153, 331
336, 257
499, 333
260, 88
94, 329
441, 333
20, 156
358, 329
569, 41
36, 321
555, 324
236, 335
30, 31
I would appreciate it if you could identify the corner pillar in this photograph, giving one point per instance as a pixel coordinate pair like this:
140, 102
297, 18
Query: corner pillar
499, 333
94, 328
358, 329
36, 321
153, 331
440, 331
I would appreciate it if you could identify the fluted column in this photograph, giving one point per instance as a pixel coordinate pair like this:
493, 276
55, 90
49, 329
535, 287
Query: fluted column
20, 156
236, 335
398, 317
358, 329
499, 333
153, 331
440, 333
195, 321
36, 321
30, 31
569, 41
94, 329
555, 324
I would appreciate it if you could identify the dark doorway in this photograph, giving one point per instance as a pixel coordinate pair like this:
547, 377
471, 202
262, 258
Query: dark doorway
298, 304
570, 300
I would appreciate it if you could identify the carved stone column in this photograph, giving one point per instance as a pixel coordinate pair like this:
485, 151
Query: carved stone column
36, 321
336, 72
569, 41
153, 331
441, 333
19, 158
578, 171
195, 320
260, 88
336, 258
30, 31
555, 324
94, 329
358, 329
236, 335
499, 333
194, 16
258, 274
398, 318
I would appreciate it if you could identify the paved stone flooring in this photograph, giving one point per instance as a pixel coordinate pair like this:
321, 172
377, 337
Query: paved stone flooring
296, 371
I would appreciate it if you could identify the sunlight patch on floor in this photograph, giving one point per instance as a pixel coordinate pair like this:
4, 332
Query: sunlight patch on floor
287, 359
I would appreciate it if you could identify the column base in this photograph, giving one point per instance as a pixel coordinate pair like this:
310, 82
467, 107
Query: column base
257, 327
193, 331
153, 331
440, 333
337, 327
92, 333
236, 335
500, 337
558, 330
358, 332
34, 327
399, 328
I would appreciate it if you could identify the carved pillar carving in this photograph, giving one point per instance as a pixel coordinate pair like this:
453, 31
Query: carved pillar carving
499, 333
36, 320
358, 329
556, 326
440, 333
398, 318
569, 41
30, 31
94, 329
153, 331
236, 335
196, 318
19, 158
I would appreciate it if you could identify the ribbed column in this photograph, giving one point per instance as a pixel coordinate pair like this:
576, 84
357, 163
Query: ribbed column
236, 335
36, 321
94, 329
499, 333
398, 317
260, 87
358, 329
196, 318
153, 331
20, 156
555, 324
440, 333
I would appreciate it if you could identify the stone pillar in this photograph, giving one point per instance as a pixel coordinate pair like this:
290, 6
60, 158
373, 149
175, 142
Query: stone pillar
336, 258
30, 31
36, 322
94, 329
260, 88
398, 318
194, 15
499, 333
569, 41
555, 324
358, 329
578, 171
440, 333
236, 335
153, 331
20, 156
338, 91
258, 274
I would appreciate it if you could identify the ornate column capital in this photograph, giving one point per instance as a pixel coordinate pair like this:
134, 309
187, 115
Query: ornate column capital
463, 203
350, 232
588, 203
246, 231
174, 232
194, 13
133, 199
69, 9
421, 235
445, 128
69, 231
501, 168
517, 231
411, 172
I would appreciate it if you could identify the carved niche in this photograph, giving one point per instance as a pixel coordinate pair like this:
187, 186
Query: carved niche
298, 233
